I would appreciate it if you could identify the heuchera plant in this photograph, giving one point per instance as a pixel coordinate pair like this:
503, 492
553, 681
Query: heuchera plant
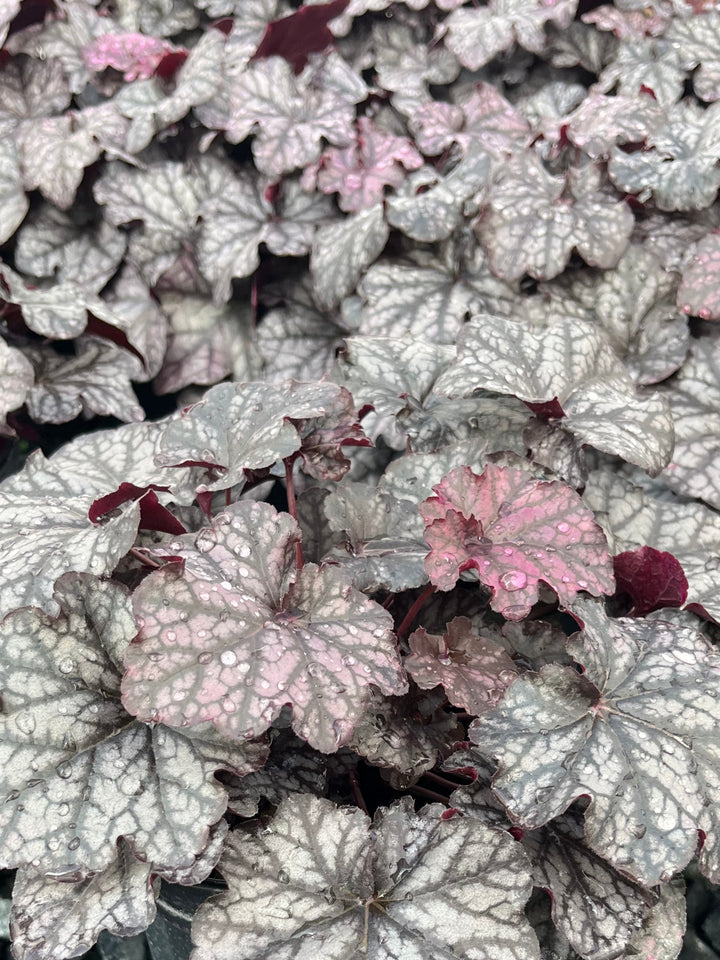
359, 532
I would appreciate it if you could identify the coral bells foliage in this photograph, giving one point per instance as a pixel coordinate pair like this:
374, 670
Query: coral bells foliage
359, 477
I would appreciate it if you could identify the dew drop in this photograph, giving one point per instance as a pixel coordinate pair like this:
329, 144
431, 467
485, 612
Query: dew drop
63, 810
64, 770
74, 843
25, 722
204, 657
228, 657
314, 669
171, 636
348, 661
513, 580
283, 877
156, 657
343, 731
67, 665
563, 527
228, 705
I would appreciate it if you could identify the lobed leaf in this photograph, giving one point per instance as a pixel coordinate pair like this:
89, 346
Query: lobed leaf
290, 895
515, 531
698, 292
241, 632
634, 732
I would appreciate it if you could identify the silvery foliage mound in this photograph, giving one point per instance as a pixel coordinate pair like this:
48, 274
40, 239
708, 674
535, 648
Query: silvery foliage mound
431, 290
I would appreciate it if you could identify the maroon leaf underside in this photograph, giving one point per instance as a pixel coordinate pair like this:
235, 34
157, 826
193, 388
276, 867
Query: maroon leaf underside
652, 578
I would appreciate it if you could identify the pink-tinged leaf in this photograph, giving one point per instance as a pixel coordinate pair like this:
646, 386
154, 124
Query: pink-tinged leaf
696, 41
473, 669
690, 531
304, 32
679, 166
406, 736
492, 123
78, 772
597, 909
699, 292
205, 344
290, 115
16, 379
330, 884
651, 578
628, 24
97, 381
342, 251
13, 201
636, 732
135, 55
601, 121
247, 426
661, 934
241, 632
477, 35
515, 531
54, 919
535, 220
359, 173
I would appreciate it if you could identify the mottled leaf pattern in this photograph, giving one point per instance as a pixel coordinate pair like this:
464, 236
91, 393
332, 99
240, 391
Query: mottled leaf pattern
78, 772
515, 531
342, 250
244, 632
635, 732
473, 670
51, 917
699, 292
332, 885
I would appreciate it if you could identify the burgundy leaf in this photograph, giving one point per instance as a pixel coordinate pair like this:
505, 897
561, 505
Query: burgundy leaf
304, 32
153, 515
473, 670
515, 531
651, 578
241, 632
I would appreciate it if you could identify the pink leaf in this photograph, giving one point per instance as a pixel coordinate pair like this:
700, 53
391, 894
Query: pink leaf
241, 632
136, 55
473, 670
651, 578
515, 531
360, 172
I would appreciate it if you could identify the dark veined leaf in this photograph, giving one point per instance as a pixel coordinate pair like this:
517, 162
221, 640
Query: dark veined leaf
635, 305
343, 250
246, 426
95, 381
54, 310
17, 377
78, 772
653, 64
382, 545
695, 41
535, 220
241, 632
694, 397
593, 906
405, 736
317, 872
679, 166
515, 531
601, 121
406, 67
636, 732
475, 36
54, 919
13, 201
473, 669
569, 361
698, 293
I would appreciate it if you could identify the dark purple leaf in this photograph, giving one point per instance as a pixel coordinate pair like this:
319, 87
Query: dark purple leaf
304, 32
651, 578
